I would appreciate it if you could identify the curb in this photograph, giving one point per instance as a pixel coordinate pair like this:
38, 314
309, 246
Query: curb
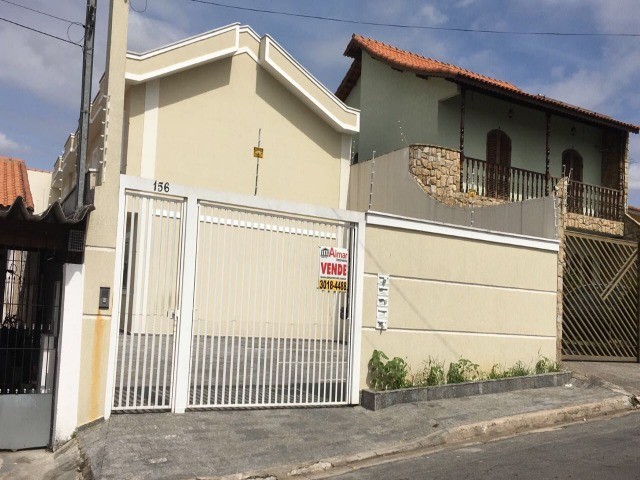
377, 400
498, 427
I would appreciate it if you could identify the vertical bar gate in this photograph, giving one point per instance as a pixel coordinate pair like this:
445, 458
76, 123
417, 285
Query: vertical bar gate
149, 302
262, 332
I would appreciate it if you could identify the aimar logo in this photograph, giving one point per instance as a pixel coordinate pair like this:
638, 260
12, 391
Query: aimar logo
324, 252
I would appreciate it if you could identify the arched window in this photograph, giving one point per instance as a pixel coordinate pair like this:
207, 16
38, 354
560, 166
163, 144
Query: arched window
498, 164
572, 168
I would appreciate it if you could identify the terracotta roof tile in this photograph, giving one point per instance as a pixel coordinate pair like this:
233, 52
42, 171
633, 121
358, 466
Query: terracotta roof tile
14, 182
405, 60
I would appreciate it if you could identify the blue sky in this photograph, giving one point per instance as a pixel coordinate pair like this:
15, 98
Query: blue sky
40, 77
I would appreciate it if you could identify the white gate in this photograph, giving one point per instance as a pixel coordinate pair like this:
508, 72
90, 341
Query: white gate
221, 305
149, 302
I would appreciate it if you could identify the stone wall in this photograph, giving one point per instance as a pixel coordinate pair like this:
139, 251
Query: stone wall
437, 171
561, 196
593, 224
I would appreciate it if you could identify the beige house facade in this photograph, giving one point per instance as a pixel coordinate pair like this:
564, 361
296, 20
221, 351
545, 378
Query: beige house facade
235, 250
191, 114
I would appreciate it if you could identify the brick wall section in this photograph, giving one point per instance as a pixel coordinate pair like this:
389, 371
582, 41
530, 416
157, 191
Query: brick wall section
437, 171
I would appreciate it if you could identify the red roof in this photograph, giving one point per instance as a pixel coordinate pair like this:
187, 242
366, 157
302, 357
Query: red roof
14, 182
404, 60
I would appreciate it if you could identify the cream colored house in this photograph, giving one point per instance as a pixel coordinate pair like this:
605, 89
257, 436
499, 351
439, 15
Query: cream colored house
223, 267
181, 119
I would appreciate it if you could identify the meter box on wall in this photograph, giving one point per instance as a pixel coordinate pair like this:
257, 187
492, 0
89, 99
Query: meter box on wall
382, 302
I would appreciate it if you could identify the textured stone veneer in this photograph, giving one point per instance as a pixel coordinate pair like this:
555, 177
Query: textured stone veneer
437, 171
596, 225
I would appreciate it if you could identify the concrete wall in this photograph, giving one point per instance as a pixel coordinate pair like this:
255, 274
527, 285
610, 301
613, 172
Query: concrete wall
490, 300
399, 108
40, 185
396, 191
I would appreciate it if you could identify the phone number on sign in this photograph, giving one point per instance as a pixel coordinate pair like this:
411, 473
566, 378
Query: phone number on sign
333, 285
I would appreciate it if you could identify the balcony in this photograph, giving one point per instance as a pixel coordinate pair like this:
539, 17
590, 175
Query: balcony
516, 184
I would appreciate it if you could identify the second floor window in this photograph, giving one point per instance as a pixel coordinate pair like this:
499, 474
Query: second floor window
498, 164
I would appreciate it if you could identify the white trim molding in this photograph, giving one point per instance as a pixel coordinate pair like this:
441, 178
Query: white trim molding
323, 101
470, 233
315, 103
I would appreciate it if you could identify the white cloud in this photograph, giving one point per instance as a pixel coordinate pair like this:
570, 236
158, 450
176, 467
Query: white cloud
7, 145
433, 16
146, 33
47, 68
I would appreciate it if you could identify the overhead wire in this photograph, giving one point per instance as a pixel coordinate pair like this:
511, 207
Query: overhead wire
40, 32
418, 27
50, 15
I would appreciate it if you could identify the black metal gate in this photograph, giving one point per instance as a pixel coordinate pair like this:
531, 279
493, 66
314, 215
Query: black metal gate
600, 299
30, 290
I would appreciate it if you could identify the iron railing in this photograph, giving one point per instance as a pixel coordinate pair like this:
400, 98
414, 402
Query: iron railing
30, 294
506, 183
516, 184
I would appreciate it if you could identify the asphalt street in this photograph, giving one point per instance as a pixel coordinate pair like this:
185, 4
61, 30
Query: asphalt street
603, 449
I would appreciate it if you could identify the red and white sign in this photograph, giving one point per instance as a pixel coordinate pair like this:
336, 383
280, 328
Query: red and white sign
333, 269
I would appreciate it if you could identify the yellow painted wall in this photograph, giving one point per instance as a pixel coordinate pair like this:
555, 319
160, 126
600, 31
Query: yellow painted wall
456, 297
208, 122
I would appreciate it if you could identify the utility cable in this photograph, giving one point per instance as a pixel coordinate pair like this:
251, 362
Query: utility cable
39, 31
50, 15
418, 27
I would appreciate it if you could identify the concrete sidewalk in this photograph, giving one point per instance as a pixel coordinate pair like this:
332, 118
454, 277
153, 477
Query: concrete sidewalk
219, 443
278, 441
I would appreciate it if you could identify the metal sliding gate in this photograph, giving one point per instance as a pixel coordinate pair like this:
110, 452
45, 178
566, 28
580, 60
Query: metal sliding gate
262, 332
600, 299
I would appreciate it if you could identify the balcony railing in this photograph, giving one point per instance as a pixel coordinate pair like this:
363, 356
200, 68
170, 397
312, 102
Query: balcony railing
505, 183
594, 201
516, 184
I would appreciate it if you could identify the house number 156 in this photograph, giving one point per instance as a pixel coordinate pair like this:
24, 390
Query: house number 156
161, 187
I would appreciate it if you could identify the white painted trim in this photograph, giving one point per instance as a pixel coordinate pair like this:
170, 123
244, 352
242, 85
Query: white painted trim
97, 248
355, 342
183, 43
129, 182
415, 331
65, 418
425, 226
177, 67
304, 95
115, 305
95, 107
465, 284
249, 52
182, 359
250, 31
150, 129
345, 170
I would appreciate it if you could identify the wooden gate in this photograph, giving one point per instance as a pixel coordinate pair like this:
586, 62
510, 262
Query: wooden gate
600, 299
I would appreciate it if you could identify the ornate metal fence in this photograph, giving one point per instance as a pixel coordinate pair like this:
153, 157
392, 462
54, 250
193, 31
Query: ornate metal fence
600, 299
